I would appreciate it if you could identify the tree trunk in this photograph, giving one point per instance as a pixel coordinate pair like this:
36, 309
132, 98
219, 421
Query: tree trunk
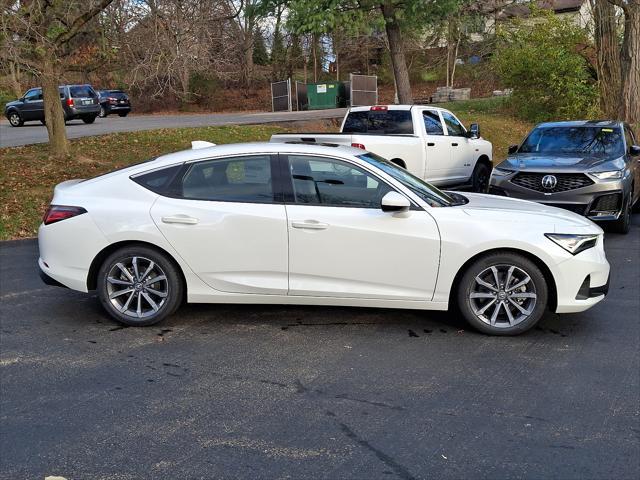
247, 51
53, 112
607, 56
396, 49
630, 63
14, 72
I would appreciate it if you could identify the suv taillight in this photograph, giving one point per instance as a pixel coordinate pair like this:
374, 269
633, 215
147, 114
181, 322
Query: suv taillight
57, 213
69, 102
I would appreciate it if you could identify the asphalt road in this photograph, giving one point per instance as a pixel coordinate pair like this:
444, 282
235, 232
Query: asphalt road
302, 392
34, 132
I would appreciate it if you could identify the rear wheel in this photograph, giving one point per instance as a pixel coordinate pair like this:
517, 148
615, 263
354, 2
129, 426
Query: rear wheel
89, 119
503, 294
623, 224
123, 114
15, 120
480, 178
139, 286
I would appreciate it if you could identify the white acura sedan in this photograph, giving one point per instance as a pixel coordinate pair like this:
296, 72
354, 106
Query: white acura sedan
313, 225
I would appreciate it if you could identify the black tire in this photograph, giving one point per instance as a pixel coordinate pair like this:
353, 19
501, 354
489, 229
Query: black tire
139, 289
399, 162
623, 224
480, 177
103, 112
503, 261
43, 122
89, 119
15, 119
123, 114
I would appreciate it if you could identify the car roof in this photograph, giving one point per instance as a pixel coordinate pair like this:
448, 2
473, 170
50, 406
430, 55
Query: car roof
395, 107
580, 123
253, 149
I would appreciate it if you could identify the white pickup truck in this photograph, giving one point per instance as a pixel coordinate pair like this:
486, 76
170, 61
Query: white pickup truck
428, 141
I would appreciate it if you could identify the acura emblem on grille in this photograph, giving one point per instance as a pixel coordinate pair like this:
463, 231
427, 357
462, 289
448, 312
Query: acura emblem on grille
549, 182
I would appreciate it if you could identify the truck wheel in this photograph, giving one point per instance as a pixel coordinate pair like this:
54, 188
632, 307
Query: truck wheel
399, 162
480, 178
15, 120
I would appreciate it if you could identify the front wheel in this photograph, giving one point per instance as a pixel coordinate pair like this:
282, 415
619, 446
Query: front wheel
139, 286
15, 120
480, 178
503, 293
623, 224
103, 112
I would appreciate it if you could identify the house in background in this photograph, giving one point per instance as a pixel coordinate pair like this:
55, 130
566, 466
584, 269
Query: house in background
578, 11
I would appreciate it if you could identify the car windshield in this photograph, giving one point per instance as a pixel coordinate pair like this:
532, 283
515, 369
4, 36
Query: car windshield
424, 190
589, 139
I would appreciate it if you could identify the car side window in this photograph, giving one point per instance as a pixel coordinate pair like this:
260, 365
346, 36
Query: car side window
33, 95
454, 127
238, 179
334, 183
432, 123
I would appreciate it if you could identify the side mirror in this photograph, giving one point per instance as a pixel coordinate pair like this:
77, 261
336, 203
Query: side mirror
513, 149
634, 150
474, 130
395, 203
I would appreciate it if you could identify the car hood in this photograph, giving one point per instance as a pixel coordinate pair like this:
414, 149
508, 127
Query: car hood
568, 162
10, 104
493, 208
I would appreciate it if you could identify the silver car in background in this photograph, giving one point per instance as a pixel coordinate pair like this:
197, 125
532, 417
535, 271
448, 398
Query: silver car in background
589, 167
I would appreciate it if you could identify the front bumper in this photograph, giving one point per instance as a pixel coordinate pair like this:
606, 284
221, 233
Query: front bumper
586, 201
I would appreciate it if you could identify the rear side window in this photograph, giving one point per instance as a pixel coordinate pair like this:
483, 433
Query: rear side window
82, 91
432, 123
239, 179
159, 181
379, 122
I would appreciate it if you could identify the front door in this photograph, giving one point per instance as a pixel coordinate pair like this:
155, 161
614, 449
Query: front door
461, 148
440, 168
341, 244
228, 226
33, 108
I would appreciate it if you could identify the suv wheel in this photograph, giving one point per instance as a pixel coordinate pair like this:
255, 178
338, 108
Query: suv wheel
15, 120
480, 178
623, 224
103, 112
139, 286
123, 114
89, 119
502, 294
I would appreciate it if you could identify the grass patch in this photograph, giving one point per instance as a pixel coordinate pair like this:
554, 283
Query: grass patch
28, 175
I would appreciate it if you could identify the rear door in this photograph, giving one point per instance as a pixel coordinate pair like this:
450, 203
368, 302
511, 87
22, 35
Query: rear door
341, 244
229, 224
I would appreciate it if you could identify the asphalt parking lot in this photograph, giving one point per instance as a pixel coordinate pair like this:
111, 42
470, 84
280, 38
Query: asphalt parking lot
314, 392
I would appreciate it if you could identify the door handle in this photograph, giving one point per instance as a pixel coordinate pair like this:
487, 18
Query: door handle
181, 219
310, 225
454, 144
431, 144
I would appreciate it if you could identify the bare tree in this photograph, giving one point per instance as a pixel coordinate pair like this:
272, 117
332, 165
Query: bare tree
42, 36
607, 43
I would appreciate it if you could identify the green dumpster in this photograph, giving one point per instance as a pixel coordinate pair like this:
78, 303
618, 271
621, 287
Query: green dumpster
325, 95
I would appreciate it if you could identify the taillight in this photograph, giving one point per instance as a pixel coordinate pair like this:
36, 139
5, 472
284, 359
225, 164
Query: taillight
378, 108
57, 213
358, 145
69, 102
112, 100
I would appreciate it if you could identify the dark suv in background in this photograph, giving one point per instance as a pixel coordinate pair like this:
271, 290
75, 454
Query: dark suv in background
78, 101
114, 101
589, 167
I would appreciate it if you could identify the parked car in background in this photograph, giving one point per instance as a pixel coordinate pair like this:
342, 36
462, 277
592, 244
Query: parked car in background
299, 224
589, 167
114, 101
78, 101
428, 141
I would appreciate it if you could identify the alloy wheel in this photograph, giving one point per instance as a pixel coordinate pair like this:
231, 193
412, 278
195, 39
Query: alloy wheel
503, 296
14, 119
137, 287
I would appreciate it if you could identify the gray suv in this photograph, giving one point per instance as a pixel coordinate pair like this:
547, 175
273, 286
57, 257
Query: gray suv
589, 167
78, 101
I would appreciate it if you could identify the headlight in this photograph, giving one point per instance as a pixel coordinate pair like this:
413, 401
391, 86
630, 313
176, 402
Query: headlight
610, 175
501, 172
574, 244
